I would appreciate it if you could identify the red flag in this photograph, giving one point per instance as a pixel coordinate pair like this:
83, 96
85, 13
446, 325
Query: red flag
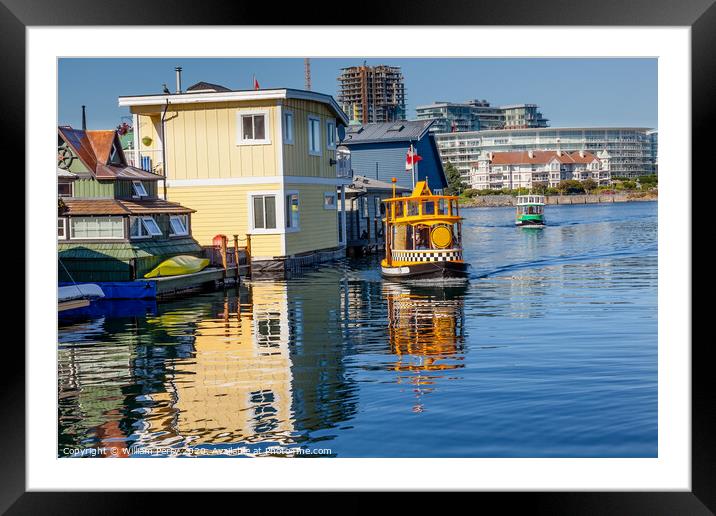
256, 84
411, 158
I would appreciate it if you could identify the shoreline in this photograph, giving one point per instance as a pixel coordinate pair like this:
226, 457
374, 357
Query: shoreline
497, 201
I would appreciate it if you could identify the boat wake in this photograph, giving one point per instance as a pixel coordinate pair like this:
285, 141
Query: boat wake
555, 261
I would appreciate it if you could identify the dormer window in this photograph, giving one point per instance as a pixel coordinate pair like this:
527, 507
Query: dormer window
179, 225
138, 189
115, 158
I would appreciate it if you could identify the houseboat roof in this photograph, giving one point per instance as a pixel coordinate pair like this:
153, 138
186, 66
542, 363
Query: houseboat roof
363, 184
122, 207
194, 97
403, 130
94, 150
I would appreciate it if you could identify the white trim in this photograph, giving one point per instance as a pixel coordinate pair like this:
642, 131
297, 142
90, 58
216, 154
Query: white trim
240, 113
334, 193
344, 225
335, 134
309, 119
292, 140
64, 228
278, 215
135, 135
96, 217
231, 96
258, 180
296, 229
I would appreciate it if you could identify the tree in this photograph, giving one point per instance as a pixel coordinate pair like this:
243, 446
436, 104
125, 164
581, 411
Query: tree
589, 185
540, 187
570, 186
454, 179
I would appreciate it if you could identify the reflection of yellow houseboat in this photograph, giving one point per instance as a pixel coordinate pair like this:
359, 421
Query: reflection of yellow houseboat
423, 237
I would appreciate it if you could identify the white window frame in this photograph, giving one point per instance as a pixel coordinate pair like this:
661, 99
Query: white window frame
139, 190
98, 238
64, 228
332, 132
288, 127
147, 225
144, 233
183, 220
240, 127
311, 152
72, 189
278, 203
334, 205
291, 229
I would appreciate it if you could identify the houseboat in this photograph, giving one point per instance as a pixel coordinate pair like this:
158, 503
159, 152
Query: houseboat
423, 236
113, 229
530, 211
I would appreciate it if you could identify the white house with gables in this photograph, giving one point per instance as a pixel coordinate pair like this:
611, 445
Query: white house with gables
522, 169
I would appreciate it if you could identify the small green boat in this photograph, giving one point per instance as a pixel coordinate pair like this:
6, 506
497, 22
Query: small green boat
530, 211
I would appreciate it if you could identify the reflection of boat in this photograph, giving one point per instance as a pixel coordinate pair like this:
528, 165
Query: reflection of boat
425, 328
423, 237
530, 211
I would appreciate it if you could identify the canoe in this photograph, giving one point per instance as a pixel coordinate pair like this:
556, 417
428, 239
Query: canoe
177, 265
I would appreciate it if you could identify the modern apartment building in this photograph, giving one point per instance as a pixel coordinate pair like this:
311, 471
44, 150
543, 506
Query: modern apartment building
630, 148
372, 94
524, 169
479, 115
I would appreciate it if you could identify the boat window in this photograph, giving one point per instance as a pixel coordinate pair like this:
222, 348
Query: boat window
412, 208
453, 208
442, 207
398, 209
422, 237
428, 207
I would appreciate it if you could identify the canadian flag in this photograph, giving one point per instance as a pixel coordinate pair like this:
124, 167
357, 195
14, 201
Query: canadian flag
411, 158
256, 84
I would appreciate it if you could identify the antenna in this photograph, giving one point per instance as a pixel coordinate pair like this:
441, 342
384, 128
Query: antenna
307, 72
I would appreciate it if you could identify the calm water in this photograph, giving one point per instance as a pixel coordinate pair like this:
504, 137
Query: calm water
549, 350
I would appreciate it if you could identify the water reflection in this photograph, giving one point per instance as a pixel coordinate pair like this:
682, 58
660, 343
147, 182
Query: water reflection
425, 331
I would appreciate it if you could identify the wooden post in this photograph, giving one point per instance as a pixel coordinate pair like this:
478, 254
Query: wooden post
222, 250
248, 253
236, 257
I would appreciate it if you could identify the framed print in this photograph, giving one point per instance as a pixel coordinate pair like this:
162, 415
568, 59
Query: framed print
385, 249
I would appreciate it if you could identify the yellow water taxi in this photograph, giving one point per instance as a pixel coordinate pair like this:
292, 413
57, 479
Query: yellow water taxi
423, 236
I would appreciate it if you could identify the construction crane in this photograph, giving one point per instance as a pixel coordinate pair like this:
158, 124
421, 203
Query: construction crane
307, 70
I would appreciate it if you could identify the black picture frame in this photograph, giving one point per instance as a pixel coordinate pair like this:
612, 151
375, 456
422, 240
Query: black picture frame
700, 15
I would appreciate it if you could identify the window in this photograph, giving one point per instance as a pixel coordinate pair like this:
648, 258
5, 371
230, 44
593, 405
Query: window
253, 127
331, 134
61, 228
287, 127
179, 224
64, 189
376, 201
138, 189
314, 136
142, 227
364, 207
329, 200
292, 210
96, 227
264, 207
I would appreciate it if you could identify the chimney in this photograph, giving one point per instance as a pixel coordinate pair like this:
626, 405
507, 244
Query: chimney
581, 153
559, 152
178, 71
84, 119
531, 154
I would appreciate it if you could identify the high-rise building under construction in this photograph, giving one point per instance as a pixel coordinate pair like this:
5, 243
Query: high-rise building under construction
372, 93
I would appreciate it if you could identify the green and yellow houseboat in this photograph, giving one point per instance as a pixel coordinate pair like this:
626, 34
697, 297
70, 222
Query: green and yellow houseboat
111, 224
423, 236
530, 211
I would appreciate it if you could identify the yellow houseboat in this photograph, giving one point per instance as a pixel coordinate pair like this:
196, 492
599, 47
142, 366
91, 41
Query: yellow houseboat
423, 236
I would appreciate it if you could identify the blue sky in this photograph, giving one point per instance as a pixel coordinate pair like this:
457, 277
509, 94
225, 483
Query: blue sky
570, 92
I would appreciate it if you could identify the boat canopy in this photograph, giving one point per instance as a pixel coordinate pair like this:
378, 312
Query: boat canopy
530, 200
422, 207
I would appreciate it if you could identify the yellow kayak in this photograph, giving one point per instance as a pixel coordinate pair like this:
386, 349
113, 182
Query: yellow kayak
178, 265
